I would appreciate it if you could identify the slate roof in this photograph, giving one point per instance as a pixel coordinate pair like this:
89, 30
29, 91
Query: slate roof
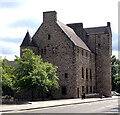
97, 30
27, 40
72, 35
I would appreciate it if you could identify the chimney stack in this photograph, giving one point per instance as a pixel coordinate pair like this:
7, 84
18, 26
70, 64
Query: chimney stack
108, 24
50, 16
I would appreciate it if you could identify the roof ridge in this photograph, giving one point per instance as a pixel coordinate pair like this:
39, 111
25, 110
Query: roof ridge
96, 27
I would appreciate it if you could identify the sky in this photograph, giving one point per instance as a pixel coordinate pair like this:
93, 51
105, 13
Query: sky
19, 16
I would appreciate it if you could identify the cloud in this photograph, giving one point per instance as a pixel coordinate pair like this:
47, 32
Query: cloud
25, 23
11, 40
115, 42
7, 48
11, 3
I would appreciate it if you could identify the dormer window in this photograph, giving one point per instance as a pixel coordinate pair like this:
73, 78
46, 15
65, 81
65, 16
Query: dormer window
49, 36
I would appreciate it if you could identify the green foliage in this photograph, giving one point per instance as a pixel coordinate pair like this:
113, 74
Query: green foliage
7, 77
115, 73
0, 76
32, 73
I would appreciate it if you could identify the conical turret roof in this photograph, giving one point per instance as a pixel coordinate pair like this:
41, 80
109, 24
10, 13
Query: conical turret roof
27, 40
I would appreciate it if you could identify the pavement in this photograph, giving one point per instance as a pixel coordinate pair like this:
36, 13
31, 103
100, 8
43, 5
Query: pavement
50, 103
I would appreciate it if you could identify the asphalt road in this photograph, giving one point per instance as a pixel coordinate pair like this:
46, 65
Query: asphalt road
107, 106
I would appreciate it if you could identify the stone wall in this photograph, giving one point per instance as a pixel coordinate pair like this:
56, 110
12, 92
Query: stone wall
101, 45
33, 48
56, 48
85, 60
103, 64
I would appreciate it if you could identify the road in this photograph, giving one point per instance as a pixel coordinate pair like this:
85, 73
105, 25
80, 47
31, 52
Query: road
107, 106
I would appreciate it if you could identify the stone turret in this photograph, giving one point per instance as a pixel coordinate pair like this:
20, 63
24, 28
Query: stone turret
27, 40
28, 43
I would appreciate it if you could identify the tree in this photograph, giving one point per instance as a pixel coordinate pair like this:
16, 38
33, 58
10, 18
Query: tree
32, 73
0, 76
7, 78
117, 78
115, 73
45, 78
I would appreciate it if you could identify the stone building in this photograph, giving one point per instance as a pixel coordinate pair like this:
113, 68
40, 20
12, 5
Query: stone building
81, 54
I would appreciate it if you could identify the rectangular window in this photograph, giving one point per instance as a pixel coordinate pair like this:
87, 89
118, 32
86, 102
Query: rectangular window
82, 89
64, 92
41, 51
86, 73
90, 74
53, 50
44, 51
82, 73
98, 45
66, 75
82, 52
87, 90
56, 50
90, 89
86, 54
90, 56
38, 51
48, 36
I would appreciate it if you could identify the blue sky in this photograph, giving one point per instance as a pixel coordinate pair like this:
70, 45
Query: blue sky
18, 16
